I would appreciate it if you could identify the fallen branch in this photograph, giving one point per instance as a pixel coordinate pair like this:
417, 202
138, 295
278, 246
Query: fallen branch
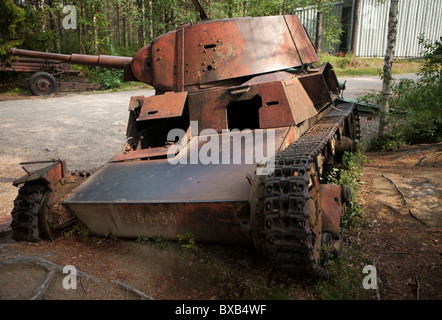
410, 152
405, 199
133, 290
52, 268
390, 207
44, 286
421, 160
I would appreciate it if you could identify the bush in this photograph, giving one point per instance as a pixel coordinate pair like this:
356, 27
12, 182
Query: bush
415, 106
350, 175
110, 78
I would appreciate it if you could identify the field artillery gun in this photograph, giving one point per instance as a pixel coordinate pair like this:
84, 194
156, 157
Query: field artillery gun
45, 67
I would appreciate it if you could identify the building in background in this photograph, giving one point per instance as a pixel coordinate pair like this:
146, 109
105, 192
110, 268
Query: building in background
365, 26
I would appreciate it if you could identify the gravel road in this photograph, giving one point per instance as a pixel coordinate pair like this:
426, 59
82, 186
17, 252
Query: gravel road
357, 86
86, 130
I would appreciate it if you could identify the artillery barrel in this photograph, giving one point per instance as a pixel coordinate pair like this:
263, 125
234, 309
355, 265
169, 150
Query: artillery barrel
114, 62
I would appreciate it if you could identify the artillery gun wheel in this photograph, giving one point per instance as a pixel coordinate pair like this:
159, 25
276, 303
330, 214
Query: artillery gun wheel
42, 83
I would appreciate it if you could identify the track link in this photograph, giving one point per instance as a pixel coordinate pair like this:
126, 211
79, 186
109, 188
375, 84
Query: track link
37, 214
25, 214
290, 201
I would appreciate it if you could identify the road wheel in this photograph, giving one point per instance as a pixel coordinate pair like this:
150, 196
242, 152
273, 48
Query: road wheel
42, 83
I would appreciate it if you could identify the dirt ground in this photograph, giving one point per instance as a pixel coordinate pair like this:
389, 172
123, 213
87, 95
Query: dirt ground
404, 238
404, 245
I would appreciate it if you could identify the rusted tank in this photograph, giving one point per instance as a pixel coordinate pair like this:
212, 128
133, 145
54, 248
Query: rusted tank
233, 148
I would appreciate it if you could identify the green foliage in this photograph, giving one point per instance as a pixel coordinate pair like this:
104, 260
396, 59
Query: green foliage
350, 175
160, 242
111, 236
11, 20
187, 241
143, 239
332, 27
79, 230
110, 78
415, 106
347, 279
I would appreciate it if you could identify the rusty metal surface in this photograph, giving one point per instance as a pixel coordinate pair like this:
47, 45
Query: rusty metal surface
160, 181
41, 55
101, 60
301, 105
36, 65
331, 207
225, 49
151, 198
284, 102
140, 154
77, 85
50, 174
304, 46
155, 197
163, 55
167, 105
142, 65
321, 84
208, 222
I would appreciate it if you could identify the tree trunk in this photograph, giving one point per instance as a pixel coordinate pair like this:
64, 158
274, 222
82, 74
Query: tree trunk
387, 76
284, 7
318, 42
83, 28
118, 25
354, 33
125, 26
150, 20
143, 23
94, 30
59, 31
80, 36
109, 22
42, 4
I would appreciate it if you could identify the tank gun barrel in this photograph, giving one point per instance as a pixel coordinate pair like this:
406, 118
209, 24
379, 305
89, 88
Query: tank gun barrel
105, 61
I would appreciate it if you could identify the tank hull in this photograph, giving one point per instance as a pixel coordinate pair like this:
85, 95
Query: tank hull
166, 198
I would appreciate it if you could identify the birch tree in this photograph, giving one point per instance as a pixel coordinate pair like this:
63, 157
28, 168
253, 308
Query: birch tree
388, 65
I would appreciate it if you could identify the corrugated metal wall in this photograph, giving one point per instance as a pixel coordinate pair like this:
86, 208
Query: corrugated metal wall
308, 18
414, 18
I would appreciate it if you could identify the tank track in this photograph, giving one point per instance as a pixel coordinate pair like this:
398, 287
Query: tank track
291, 198
24, 223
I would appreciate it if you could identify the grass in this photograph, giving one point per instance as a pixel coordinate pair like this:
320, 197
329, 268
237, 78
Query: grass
355, 66
347, 278
347, 269
350, 175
